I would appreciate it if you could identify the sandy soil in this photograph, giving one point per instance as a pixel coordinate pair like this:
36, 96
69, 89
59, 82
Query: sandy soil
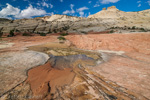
45, 79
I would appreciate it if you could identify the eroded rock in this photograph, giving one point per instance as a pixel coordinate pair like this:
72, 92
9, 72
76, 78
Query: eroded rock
14, 65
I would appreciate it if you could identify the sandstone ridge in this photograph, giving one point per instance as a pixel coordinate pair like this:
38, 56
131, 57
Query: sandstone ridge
101, 21
113, 12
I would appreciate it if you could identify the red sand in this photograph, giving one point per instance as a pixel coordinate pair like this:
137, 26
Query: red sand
45, 79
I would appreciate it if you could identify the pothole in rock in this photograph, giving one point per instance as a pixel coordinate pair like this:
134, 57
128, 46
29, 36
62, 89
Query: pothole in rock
61, 62
68, 57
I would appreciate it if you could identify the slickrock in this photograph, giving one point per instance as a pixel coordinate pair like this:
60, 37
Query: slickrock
14, 65
122, 73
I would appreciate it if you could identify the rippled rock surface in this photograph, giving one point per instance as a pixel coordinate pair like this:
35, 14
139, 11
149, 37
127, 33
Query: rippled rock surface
14, 65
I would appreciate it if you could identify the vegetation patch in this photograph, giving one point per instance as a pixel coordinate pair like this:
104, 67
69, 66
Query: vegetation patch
61, 38
143, 30
26, 34
112, 31
11, 33
133, 27
64, 34
42, 34
1, 33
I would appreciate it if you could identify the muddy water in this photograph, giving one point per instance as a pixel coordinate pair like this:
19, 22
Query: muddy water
63, 56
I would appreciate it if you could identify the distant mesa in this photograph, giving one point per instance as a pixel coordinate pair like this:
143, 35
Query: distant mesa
104, 8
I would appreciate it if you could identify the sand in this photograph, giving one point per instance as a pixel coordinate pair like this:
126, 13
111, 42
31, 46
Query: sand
45, 79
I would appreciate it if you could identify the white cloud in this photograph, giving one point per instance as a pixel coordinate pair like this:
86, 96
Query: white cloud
80, 10
61, 0
90, 2
108, 1
30, 12
70, 11
96, 5
139, 5
9, 11
14, 12
89, 13
44, 4
138, 1
38, 4
148, 2
71, 6
66, 12
51, 6
81, 14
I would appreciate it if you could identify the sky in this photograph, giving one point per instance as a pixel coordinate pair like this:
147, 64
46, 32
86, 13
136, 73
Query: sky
18, 9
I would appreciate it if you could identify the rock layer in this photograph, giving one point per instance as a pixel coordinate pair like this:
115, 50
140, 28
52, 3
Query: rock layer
101, 21
13, 67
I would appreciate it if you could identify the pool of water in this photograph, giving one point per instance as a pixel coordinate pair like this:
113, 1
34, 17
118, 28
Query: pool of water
62, 56
70, 61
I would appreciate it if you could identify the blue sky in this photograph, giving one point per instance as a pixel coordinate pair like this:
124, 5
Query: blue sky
17, 9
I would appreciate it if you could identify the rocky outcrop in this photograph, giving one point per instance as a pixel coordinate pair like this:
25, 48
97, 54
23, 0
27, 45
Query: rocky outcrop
61, 18
14, 65
139, 19
113, 12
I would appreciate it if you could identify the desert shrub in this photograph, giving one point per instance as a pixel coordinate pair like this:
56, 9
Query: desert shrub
83, 32
143, 30
1, 33
11, 33
26, 34
64, 34
133, 27
42, 34
112, 31
65, 28
55, 31
17, 30
61, 38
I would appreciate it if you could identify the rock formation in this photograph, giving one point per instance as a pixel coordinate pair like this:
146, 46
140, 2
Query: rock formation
122, 72
101, 21
14, 66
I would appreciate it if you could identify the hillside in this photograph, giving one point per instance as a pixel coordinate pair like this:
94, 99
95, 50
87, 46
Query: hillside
101, 21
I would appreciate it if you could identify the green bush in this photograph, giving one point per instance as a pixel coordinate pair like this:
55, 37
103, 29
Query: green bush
64, 34
26, 34
11, 33
112, 31
133, 27
55, 31
1, 33
61, 38
143, 30
42, 34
